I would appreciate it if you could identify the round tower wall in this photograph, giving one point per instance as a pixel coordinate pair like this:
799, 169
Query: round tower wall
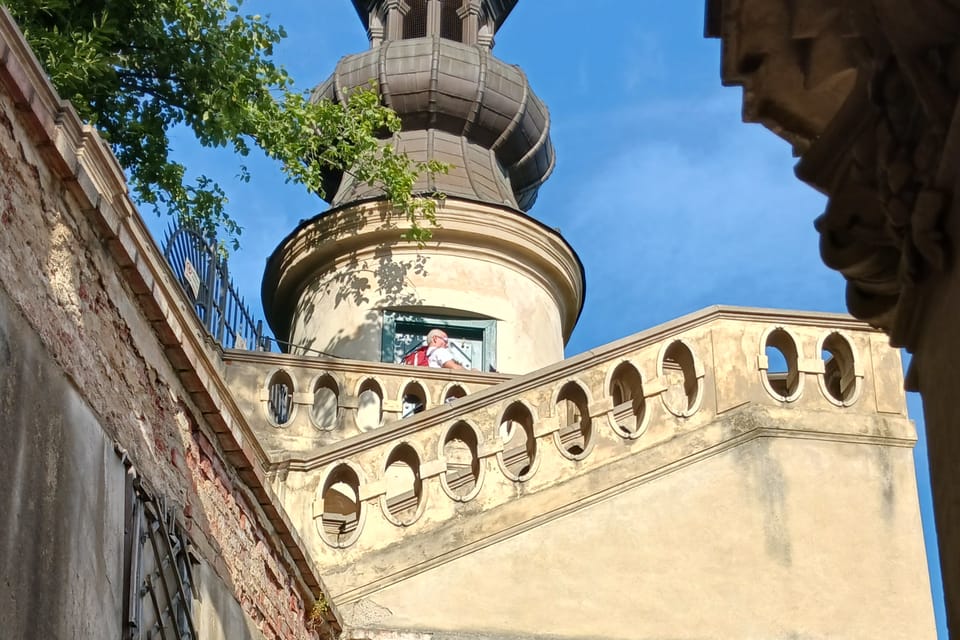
338, 276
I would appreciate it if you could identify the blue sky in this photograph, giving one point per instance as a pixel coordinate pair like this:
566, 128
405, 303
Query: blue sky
671, 201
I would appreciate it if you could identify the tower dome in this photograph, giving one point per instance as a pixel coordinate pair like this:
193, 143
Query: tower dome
459, 105
506, 288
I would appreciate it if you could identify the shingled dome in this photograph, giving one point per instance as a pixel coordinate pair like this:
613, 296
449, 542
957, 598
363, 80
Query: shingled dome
459, 105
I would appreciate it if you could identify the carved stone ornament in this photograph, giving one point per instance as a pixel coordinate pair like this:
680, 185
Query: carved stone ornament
866, 91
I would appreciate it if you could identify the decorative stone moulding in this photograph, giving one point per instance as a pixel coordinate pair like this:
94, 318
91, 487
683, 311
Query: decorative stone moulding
459, 450
575, 427
338, 509
519, 455
629, 416
785, 386
841, 380
403, 499
277, 398
330, 281
681, 375
325, 410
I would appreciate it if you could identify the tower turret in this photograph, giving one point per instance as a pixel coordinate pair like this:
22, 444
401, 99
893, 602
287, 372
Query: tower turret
506, 288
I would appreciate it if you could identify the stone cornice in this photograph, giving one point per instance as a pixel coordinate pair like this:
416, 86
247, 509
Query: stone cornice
75, 154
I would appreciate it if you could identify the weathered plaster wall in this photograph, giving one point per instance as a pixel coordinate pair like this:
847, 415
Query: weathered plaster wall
84, 368
328, 283
776, 538
61, 543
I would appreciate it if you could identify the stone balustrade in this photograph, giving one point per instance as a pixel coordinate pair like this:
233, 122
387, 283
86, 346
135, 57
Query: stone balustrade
301, 404
634, 408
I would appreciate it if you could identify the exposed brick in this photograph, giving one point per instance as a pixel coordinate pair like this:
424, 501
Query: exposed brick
91, 298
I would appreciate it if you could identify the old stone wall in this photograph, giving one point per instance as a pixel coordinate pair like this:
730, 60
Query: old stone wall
84, 368
62, 504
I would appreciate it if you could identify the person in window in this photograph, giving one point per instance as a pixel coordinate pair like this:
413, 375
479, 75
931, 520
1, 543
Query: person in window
438, 353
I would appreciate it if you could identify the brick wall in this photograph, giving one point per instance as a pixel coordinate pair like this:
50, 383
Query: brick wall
59, 266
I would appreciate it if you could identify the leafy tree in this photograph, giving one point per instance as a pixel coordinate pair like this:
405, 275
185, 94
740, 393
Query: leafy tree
137, 68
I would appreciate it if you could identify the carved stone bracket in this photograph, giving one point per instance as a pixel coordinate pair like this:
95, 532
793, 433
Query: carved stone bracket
885, 148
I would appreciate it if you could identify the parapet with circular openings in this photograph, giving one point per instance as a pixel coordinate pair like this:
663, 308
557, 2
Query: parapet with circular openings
460, 450
779, 364
403, 500
519, 457
842, 379
370, 397
624, 386
277, 398
325, 410
454, 391
681, 373
574, 437
338, 510
414, 398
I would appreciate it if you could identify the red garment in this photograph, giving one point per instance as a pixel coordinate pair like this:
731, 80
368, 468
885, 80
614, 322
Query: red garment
417, 357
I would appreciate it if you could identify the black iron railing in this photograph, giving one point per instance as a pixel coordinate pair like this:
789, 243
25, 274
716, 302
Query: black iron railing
203, 273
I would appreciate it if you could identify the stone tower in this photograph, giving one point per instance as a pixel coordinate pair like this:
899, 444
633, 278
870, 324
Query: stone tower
507, 289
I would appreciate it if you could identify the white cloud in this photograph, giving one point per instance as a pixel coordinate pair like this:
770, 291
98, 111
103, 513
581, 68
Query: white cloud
665, 227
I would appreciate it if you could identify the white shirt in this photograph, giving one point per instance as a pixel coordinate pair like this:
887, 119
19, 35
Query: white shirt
438, 356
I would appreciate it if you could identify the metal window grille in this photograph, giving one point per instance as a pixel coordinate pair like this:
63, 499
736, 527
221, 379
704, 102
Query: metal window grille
451, 24
281, 402
160, 584
415, 22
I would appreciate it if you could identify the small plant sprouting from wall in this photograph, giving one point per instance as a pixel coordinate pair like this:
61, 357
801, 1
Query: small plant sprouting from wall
317, 618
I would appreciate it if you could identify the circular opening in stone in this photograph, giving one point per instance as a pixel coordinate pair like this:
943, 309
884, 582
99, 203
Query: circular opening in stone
403, 484
280, 397
839, 378
454, 392
414, 400
461, 451
369, 405
782, 373
629, 405
340, 519
325, 412
575, 431
680, 379
519, 443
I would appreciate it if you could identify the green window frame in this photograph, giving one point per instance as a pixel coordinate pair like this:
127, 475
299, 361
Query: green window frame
402, 325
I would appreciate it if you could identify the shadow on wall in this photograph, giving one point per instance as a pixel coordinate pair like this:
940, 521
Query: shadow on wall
376, 283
